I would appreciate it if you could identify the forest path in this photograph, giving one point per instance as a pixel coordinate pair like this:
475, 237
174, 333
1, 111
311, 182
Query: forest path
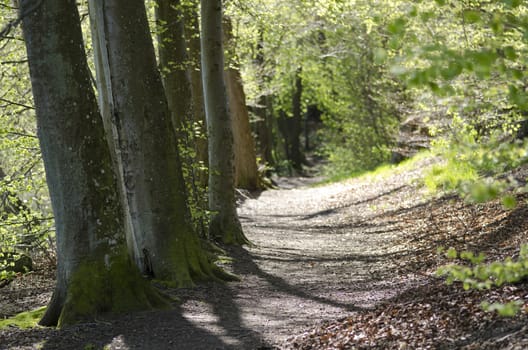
319, 253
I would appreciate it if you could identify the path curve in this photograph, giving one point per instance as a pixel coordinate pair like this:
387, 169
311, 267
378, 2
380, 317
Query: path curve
320, 253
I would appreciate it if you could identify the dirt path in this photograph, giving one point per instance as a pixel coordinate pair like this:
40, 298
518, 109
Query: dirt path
320, 253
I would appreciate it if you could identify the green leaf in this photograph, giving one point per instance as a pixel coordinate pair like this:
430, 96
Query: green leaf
510, 53
398, 26
509, 309
509, 202
451, 253
471, 16
451, 71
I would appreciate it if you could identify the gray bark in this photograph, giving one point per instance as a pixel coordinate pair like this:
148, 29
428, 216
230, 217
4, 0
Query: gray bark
225, 225
155, 189
106, 106
79, 172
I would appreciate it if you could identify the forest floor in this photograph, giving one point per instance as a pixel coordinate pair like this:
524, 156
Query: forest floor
349, 265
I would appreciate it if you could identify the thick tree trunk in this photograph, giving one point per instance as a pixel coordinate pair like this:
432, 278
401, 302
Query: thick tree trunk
225, 225
94, 274
169, 248
106, 107
174, 62
246, 172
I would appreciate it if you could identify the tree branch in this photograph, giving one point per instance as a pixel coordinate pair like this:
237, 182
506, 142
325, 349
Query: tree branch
16, 103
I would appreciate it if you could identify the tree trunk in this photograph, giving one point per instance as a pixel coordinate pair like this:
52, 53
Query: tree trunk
245, 161
173, 58
106, 107
174, 62
169, 248
94, 274
246, 172
225, 225
192, 36
264, 124
291, 127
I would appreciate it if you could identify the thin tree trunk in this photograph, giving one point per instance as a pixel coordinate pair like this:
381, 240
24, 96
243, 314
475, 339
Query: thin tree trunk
264, 125
192, 36
173, 59
225, 225
291, 127
94, 273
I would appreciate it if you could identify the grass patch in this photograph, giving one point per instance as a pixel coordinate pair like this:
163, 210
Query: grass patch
382, 170
27, 319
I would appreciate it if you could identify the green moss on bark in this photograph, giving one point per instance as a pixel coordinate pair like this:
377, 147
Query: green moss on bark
99, 287
190, 264
228, 230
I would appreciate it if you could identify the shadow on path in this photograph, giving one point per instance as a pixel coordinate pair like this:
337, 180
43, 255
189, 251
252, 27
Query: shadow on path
244, 264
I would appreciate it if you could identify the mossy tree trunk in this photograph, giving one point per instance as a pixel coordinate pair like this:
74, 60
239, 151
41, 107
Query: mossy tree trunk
106, 107
225, 225
155, 190
174, 63
94, 273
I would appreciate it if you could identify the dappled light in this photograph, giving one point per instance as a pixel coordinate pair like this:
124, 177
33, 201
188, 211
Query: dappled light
263, 174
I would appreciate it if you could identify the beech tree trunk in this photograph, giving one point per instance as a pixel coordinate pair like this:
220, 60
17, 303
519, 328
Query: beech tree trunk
168, 246
245, 161
225, 225
94, 274
246, 172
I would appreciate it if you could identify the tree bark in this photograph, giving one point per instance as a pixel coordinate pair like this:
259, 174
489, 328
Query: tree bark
225, 225
174, 64
264, 123
246, 172
94, 274
245, 161
155, 190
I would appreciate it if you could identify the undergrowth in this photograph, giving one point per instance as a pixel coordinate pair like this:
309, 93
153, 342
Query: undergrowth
476, 168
